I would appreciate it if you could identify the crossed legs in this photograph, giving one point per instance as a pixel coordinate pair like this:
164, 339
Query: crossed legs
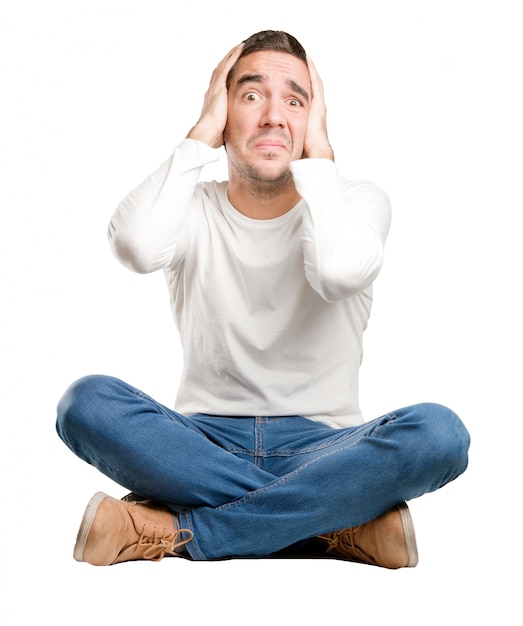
252, 486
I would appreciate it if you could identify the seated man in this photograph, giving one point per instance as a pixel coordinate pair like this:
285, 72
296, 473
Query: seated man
270, 277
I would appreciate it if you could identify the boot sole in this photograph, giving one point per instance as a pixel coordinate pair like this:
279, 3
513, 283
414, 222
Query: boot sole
410, 535
85, 526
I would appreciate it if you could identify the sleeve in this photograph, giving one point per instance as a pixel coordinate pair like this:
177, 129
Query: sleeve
144, 232
345, 225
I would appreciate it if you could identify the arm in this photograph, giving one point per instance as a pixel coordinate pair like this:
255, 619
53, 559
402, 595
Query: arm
213, 118
345, 225
145, 230
316, 144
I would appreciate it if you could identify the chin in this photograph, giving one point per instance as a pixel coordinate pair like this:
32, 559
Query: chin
271, 171
274, 176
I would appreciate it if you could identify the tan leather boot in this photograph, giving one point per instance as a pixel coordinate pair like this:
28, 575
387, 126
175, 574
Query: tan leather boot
113, 531
388, 541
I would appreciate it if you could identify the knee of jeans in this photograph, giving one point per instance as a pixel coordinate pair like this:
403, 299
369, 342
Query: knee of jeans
75, 408
447, 436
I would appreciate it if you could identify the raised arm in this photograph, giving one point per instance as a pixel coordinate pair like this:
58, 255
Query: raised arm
345, 224
213, 118
317, 143
145, 231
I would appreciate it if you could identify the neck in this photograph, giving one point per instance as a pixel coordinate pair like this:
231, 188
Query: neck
263, 200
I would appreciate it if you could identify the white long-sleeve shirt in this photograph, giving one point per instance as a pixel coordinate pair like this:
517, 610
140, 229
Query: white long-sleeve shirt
270, 312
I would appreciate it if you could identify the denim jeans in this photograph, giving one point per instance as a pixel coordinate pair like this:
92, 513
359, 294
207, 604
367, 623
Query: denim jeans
251, 486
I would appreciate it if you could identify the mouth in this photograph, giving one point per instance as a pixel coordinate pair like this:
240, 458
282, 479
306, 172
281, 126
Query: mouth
269, 145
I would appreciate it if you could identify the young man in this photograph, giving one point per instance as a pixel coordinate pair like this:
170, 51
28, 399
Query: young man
270, 276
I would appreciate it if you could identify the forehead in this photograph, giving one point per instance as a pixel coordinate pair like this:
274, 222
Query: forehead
273, 65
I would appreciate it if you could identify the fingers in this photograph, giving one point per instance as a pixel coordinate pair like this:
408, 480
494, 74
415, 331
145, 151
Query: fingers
219, 75
213, 117
233, 55
227, 63
316, 142
316, 82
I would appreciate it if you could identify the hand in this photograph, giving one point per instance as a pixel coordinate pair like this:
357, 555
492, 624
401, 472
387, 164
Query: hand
213, 117
316, 143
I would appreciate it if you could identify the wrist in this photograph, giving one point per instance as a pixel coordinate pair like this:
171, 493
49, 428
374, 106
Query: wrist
205, 135
319, 152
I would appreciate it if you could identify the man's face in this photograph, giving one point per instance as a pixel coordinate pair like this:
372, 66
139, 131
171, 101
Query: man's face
268, 108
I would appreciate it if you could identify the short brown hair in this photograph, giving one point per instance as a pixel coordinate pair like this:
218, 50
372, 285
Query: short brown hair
270, 40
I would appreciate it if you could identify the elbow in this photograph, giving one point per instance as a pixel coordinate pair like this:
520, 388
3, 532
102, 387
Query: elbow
335, 290
132, 259
334, 285
131, 253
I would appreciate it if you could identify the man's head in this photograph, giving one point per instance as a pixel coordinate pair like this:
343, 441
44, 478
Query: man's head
269, 97
269, 40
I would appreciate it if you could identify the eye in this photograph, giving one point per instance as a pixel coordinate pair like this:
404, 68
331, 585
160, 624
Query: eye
251, 96
294, 102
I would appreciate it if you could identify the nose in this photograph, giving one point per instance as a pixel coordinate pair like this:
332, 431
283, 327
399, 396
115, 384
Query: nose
272, 114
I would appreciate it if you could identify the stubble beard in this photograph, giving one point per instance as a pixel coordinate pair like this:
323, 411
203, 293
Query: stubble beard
261, 185
253, 179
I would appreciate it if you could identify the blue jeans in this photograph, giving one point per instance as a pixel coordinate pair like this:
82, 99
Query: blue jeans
251, 486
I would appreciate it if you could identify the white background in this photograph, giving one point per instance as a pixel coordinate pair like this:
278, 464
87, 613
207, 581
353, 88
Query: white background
424, 99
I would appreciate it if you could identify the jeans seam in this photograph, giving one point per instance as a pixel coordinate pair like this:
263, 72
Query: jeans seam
385, 420
185, 514
282, 480
258, 441
327, 444
162, 409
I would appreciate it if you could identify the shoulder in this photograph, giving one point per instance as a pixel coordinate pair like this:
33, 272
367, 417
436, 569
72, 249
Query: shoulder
212, 193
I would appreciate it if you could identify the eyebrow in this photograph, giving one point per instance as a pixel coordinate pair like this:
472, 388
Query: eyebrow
298, 89
259, 78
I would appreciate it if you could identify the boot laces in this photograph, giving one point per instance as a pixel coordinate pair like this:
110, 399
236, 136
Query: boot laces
157, 546
343, 539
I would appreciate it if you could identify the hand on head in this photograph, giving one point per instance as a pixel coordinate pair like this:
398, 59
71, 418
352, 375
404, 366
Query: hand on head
213, 117
316, 144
